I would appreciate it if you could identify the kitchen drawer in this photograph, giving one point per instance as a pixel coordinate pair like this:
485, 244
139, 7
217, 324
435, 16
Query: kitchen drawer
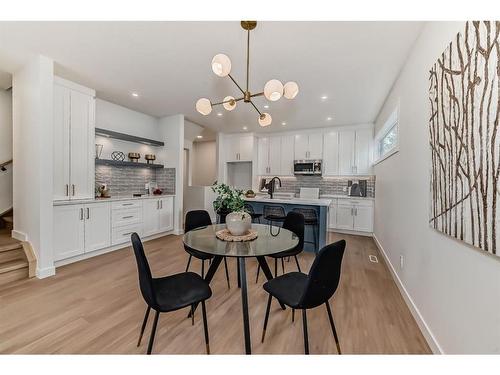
357, 202
126, 204
126, 216
122, 234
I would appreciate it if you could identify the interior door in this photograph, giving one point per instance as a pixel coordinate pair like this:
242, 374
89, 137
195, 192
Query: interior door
61, 143
287, 155
151, 216
331, 154
346, 152
301, 146
315, 146
166, 220
82, 151
344, 216
363, 151
97, 226
69, 224
275, 156
263, 155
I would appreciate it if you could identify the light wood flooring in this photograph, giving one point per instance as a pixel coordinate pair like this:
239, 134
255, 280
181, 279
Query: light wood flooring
95, 306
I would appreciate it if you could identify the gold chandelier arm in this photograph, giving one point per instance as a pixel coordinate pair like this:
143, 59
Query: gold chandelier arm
227, 101
236, 83
248, 56
255, 108
258, 94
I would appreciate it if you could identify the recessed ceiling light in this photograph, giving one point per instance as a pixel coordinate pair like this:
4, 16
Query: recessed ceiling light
328, 119
324, 97
219, 114
199, 136
245, 128
135, 95
283, 123
266, 106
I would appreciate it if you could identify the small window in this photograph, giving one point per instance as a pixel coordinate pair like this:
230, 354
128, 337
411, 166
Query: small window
387, 139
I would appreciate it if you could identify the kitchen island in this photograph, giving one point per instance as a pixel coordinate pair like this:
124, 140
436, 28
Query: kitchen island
289, 204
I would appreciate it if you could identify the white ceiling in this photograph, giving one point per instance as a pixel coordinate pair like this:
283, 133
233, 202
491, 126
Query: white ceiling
168, 64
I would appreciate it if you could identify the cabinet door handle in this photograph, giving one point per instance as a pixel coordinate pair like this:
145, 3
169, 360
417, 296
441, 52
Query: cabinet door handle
127, 204
81, 213
88, 213
157, 205
127, 234
128, 217
73, 186
356, 211
67, 190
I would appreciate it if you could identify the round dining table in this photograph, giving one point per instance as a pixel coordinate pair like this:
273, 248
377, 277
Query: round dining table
204, 239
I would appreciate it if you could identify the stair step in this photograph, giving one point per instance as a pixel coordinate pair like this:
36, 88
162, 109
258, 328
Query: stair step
8, 219
13, 265
7, 256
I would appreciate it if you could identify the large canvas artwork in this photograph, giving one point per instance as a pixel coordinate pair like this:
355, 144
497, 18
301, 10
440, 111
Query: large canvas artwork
464, 137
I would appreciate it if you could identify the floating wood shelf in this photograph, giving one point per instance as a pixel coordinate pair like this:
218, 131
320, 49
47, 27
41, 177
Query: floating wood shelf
127, 137
117, 163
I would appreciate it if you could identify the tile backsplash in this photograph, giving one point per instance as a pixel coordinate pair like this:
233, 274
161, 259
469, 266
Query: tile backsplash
129, 180
326, 185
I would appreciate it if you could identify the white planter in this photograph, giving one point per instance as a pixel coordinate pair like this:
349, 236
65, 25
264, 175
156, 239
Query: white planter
238, 223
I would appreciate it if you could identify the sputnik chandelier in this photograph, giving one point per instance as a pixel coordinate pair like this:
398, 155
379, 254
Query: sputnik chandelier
273, 89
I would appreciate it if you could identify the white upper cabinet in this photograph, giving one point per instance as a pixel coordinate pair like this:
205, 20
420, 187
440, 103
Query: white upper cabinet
275, 156
363, 154
347, 139
308, 146
287, 155
355, 152
263, 156
331, 153
73, 132
239, 148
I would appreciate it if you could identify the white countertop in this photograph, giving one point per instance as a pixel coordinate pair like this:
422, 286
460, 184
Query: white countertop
326, 196
298, 201
111, 199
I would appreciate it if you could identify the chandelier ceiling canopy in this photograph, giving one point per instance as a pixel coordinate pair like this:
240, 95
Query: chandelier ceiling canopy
273, 89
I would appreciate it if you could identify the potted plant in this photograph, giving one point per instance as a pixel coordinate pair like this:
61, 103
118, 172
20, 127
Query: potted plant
230, 207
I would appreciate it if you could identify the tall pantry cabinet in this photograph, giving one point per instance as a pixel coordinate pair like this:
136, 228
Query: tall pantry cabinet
74, 134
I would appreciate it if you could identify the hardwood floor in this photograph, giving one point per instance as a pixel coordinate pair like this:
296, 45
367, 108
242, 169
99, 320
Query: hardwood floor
95, 306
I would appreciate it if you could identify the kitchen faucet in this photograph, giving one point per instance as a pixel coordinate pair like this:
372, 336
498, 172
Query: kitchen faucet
270, 185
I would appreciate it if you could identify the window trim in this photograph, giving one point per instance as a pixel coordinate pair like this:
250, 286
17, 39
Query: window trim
391, 123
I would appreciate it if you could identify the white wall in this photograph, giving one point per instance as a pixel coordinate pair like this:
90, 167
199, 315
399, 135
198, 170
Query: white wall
32, 99
5, 149
204, 165
454, 288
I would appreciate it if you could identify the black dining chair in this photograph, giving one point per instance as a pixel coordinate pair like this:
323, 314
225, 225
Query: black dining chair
169, 293
197, 219
294, 222
304, 292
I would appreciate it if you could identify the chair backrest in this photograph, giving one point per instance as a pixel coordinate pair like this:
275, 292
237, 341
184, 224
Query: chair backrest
324, 275
309, 213
274, 210
249, 208
145, 277
295, 222
196, 219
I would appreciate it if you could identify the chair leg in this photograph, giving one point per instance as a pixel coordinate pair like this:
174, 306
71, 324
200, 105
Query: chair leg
238, 272
205, 325
297, 261
275, 267
268, 308
330, 317
202, 269
153, 331
257, 277
189, 262
306, 339
293, 315
192, 315
144, 322
227, 273
283, 265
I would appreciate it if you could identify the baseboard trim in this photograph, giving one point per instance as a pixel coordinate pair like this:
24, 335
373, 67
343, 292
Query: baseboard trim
422, 325
19, 235
353, 232
42, 273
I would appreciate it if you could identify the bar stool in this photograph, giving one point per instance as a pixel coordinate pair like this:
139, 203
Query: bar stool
274, 214
255, 216
311, 219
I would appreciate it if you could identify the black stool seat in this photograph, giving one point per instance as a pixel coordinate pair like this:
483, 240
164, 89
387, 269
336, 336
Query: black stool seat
288, 288
181, 290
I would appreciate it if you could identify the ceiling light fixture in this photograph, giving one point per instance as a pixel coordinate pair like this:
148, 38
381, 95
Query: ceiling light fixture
135, 95
324, 97
219, 114
273, 89
199, 136
283, 123
245, 128
266, 106
328, 119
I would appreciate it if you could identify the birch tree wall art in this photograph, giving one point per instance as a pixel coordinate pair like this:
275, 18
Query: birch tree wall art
464, 137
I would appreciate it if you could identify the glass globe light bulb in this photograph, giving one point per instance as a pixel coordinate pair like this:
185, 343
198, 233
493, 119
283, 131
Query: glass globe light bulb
221, 65
290, 90
265, 119
273, 90
204, 106
231, 103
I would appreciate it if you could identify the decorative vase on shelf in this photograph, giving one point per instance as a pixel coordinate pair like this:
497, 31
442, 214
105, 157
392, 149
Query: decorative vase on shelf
238, 223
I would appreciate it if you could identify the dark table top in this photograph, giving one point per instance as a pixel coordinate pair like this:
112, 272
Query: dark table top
203, 239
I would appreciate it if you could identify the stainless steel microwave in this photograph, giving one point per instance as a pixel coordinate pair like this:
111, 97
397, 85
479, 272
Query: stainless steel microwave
307, 167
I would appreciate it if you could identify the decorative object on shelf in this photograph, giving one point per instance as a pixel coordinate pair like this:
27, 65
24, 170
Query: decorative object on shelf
238, 223
150, 158
273, 89
134, 157
98, 150
463, 137
228, 200
118, 156
225, 235
250, 194
102, 191
157, 191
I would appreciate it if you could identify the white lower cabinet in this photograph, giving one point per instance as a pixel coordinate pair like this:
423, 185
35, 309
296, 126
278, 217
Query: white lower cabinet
332, 214
166, 214
158, 215
353, 214
80, 228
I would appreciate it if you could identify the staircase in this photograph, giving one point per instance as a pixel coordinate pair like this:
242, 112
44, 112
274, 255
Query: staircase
17, 260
